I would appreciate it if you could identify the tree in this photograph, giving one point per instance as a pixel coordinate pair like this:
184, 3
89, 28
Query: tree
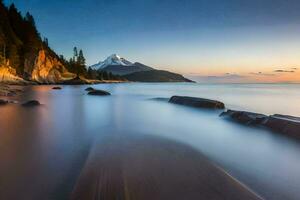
29, 18
75, 53
45, 41
14, 58
81, 59
92, 74
16, 21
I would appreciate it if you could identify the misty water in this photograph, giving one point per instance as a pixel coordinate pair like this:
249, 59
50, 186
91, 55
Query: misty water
43, 149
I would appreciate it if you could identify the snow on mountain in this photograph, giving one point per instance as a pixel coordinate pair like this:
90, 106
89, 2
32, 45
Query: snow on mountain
114, 59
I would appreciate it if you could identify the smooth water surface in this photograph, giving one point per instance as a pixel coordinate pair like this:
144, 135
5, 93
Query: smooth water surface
43, 149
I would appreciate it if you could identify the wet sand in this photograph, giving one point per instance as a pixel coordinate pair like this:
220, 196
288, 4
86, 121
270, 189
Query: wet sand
142, 167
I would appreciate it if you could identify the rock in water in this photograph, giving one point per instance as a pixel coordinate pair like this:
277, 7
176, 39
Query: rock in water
285, 124
98, 93
197, 102
56, 88
89, 89
31, 103
3, 102
9, 91
244, 117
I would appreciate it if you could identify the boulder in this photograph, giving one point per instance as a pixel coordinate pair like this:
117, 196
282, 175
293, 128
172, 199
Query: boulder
31, 103
244, 117
56, 88
3, 102
197, 102
285, 124
98, 93
89, 89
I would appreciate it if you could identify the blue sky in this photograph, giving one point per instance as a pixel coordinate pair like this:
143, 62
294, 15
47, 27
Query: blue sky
199, 37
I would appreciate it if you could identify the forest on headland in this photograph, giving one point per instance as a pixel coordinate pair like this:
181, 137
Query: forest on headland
25, 54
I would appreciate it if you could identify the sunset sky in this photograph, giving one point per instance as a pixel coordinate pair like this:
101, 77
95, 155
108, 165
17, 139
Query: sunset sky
207, 40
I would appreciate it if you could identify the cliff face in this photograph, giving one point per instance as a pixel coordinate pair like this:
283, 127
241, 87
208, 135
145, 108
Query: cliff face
24, 55
46, 69
42, 68
9, 75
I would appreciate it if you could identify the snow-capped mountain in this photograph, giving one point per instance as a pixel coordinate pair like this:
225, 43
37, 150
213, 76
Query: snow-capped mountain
114, 59
136, 71
120, 66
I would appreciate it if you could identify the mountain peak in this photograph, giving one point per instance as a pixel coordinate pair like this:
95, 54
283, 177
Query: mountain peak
115, 55
113, 59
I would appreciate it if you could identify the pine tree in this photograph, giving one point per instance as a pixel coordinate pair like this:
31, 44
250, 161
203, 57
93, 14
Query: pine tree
81, 59
45, 41
29, 18
75, 53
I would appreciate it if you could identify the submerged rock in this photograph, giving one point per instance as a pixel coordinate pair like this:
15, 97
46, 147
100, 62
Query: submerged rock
284, 124
197, 102
244, 117
31, 103
98, 93
9, 91
3, 102
56, 88
89, 89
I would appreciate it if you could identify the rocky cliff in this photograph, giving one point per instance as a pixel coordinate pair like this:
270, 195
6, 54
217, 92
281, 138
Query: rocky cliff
42, 68
9, 75
46, 69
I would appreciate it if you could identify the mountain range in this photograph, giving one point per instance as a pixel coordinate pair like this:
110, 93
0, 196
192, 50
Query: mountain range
135, 71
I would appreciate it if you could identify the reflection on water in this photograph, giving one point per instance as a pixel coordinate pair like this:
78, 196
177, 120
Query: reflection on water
43, 149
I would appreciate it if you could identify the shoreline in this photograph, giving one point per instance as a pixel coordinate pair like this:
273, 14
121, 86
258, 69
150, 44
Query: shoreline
135, 166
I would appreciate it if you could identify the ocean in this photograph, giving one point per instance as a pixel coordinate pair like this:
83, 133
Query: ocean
43, 149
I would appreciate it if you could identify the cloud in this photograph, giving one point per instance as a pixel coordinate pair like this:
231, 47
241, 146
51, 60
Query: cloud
294, 68
284, 71
261, 74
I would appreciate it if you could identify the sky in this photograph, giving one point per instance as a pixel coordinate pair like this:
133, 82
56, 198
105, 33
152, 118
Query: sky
206, 40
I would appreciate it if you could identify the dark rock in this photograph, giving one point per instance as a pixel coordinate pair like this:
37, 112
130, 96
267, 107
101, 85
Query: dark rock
3, 102
160, 99
31, 103
287, 125
89, 89
197, 102
244, 117
56, 88
98, 93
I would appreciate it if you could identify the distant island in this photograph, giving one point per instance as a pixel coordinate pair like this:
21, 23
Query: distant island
26, 58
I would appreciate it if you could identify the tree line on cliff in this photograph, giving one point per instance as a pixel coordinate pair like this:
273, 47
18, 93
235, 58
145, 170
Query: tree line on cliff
21, 41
